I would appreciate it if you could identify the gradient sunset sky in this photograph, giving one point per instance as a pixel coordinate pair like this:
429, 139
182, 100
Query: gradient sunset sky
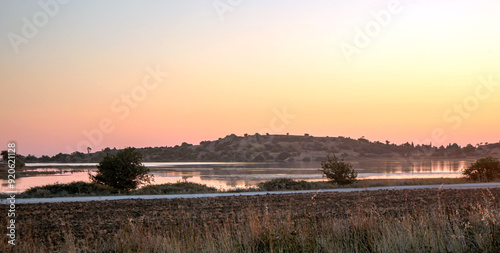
432, 67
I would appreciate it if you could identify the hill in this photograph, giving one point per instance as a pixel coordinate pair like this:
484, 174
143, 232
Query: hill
286, 148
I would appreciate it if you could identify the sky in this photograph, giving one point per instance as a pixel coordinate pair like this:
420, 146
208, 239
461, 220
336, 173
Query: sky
78, 74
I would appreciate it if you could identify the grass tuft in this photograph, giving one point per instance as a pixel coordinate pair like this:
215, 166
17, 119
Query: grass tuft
174, 188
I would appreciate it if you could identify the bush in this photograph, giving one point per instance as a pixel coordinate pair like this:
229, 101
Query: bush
283, 184
71, 189
484, 169
176, 188
259, 158
280, 184
338, 171
18, 161
122, 171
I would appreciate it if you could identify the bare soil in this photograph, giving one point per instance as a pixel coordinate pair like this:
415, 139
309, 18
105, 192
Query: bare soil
51, 221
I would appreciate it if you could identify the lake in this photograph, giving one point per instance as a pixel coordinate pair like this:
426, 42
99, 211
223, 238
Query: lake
230, 175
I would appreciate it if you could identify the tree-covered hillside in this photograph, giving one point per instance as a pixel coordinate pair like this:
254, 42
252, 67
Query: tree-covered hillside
286, 148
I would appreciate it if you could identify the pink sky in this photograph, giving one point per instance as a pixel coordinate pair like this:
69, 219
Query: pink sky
430, 74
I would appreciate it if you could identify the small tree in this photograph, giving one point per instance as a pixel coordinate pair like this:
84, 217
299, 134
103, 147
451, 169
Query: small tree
122, 171
5, 155
338, 171
484, 169
18, 161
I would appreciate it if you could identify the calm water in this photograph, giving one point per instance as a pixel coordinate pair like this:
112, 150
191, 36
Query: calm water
229, 175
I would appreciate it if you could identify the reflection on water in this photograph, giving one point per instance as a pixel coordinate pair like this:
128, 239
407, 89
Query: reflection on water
236, 175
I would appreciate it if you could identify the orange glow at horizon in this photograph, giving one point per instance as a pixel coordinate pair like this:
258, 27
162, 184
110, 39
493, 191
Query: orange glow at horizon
434, 67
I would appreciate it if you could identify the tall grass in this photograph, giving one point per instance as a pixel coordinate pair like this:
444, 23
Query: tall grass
475, 228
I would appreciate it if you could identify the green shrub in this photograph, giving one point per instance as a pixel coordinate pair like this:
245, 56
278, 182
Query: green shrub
280, 184
484, 169
175, 188
122, 171
71, 189
338, 171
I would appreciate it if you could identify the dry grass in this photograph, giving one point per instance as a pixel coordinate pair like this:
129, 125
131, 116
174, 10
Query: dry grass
414, 181
385, 221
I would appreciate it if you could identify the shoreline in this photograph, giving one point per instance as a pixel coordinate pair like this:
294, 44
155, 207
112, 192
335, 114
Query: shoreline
257, 193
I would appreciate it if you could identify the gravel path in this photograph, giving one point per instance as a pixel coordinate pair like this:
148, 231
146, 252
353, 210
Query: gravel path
206, 195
